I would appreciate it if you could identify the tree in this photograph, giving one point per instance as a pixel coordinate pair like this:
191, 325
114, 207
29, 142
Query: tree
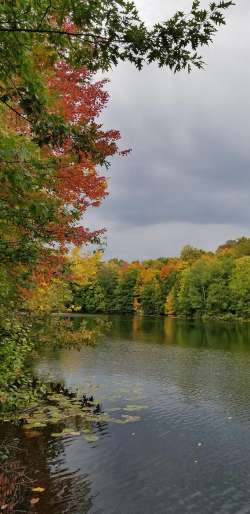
84, 268
238, 247
49, 297
46, 190
49, 177
219, 298
169, 307
240, 286
214, 285
191, 254
49, 173
88, 294
51, 144
108, 280
194, 282
151, 300
124, 292
94, 33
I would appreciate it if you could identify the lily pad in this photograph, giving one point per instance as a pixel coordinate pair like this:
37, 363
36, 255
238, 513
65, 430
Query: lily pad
66, 432
91, 438
34, 424
131, 408
130, 419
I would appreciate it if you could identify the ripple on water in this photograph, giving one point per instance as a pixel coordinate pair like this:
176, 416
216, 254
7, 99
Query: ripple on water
188, 453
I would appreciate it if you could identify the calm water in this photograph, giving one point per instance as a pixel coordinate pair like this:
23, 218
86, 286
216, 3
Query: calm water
190, 450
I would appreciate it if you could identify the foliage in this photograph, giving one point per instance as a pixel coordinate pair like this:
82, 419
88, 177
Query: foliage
13, 480
49, 297
100, 33
197, 284
48, 179
15, 348
54, 153
190, 254
125, 289
84, 268
151, 301
238, 247
240, 286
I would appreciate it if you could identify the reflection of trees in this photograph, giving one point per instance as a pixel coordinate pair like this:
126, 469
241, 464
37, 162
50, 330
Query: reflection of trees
42, 460
192, 334
214, 366
206, 363
178, 332
13, 480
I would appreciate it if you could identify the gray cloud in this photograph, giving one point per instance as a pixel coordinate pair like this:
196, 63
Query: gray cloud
189, 173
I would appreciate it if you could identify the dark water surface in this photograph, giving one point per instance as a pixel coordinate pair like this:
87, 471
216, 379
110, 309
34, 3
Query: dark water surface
190, 450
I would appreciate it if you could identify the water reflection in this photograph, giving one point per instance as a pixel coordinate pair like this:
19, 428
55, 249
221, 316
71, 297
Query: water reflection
210, 334
187, 388
45, 464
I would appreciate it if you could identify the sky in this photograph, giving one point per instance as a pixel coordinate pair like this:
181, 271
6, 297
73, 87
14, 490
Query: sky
187, 179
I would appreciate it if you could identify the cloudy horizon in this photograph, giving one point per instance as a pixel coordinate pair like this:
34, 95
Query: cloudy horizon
187, 178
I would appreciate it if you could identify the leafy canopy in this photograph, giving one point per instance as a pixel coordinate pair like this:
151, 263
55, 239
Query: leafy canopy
95, 33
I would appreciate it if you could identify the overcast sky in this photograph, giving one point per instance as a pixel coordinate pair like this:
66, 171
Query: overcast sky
187, 179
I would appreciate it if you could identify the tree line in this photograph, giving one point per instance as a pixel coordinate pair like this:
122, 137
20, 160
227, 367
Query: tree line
197, 284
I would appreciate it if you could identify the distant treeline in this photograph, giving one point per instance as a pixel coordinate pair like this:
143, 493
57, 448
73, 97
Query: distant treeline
195, 284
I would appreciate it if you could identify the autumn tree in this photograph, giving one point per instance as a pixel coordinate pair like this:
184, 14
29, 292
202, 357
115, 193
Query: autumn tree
49, 172
214, 285
47, 183
240, 286
151, 300
125, 289
45, 199
190, 254
97, 34
52, 145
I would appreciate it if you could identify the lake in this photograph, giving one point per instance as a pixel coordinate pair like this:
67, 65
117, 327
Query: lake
178, 440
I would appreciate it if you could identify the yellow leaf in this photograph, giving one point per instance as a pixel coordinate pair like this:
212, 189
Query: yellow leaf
38, 489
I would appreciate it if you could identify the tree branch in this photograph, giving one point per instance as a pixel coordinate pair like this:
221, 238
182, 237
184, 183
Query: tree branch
13, 110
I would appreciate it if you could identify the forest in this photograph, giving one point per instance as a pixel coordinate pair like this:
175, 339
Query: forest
99, 384
197, 284
55, 152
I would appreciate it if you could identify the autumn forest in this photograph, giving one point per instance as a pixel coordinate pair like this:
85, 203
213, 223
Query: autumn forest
91, 343
54, 156
197, 284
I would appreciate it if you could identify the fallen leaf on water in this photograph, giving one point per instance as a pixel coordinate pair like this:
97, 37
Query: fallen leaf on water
33, 501
66, 432
38, 489
130, 419
32, 433
91, 438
